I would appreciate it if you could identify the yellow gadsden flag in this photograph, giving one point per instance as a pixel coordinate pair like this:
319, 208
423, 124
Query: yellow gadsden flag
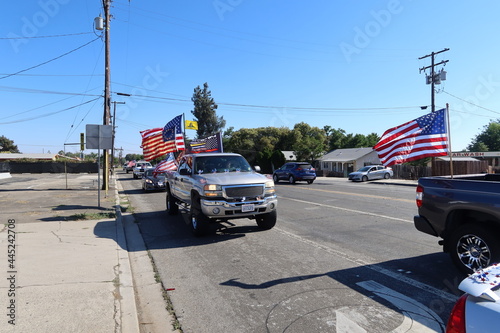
192, 125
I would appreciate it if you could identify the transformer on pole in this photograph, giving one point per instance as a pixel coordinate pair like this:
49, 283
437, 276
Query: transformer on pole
435, 77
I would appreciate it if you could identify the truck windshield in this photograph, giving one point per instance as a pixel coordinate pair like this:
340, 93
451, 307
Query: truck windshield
218, 164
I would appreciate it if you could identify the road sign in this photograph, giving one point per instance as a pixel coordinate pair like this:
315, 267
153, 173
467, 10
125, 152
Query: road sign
99, 136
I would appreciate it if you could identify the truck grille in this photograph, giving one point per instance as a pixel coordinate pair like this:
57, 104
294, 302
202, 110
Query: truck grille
244, 191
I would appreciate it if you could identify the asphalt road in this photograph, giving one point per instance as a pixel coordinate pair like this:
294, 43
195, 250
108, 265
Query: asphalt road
344, 257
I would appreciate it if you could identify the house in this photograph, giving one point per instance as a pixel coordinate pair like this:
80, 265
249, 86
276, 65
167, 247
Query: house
344, 161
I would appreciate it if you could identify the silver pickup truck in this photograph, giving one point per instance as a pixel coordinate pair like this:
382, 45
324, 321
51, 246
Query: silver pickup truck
219, 187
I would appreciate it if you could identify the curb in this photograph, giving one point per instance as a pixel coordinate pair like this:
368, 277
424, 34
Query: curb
125, 304
150, 306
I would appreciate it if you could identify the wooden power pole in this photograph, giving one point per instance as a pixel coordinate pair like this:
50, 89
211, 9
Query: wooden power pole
107, 84
433, 74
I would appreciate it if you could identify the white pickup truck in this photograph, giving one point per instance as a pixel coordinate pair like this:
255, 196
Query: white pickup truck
219, 187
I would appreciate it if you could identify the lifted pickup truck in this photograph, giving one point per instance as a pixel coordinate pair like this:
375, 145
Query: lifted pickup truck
465, 213
218, 187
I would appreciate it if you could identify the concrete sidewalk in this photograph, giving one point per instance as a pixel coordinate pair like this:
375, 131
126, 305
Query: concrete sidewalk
63, 273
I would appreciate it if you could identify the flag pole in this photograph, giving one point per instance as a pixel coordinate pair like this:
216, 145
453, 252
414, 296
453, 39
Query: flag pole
183, 124
449, 138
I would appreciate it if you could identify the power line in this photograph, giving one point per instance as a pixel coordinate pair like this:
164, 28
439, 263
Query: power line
48, 61
463, 100
51, 36
56, 75
278, 107
48, 114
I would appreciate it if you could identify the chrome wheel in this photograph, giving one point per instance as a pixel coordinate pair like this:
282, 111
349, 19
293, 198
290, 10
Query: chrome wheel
473, 252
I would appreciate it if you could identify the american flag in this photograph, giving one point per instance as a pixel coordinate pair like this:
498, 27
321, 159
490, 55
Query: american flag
212, 143
167, 164
172, 135
425, 136
153, 145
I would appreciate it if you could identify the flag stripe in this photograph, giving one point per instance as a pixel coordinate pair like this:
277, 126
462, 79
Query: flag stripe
152, 144
166, 165
425, 136
172, 135
406, 145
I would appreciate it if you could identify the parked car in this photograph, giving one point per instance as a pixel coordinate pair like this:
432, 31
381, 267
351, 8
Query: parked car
130, 166
140, 167
151, 182
371, 172
295, 171
478, 310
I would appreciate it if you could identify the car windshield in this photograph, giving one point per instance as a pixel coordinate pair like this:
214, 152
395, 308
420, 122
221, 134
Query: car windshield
364, 169
218, 164
149, 172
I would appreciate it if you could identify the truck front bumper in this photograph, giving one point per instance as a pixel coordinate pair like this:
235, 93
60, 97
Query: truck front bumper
221, 209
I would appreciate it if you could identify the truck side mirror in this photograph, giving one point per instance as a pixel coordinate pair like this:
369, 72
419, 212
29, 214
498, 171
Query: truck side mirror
257, 168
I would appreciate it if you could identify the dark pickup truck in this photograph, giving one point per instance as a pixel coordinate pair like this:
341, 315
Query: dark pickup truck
465, 212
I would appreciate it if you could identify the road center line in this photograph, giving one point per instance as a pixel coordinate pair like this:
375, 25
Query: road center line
346, 209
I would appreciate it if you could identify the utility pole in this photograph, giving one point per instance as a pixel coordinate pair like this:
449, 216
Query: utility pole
114, 131
107, 81
434, 78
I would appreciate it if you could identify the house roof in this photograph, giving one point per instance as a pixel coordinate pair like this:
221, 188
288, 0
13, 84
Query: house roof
15, 156
345, 155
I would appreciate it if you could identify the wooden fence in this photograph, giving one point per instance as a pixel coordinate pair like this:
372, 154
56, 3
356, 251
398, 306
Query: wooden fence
442, 168
439, 168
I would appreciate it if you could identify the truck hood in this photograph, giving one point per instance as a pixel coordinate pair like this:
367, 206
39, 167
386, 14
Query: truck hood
232, 178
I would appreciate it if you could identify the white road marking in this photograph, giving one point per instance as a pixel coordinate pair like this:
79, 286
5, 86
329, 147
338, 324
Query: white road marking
346, 325
418, 318
359, 262
347, 210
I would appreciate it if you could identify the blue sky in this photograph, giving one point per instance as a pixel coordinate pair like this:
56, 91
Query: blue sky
349, 65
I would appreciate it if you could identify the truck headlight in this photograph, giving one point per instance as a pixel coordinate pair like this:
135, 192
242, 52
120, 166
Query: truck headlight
269, 190
212, 190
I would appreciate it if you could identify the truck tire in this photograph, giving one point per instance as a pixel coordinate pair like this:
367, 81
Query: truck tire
267, 221
473, 247
197, 220
275, 178
171, 203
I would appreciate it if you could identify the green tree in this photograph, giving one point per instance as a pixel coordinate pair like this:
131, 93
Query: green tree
205, 113
309, 142
7, 145
488, 139
372, 139
336, 139
250, 141
134, 157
